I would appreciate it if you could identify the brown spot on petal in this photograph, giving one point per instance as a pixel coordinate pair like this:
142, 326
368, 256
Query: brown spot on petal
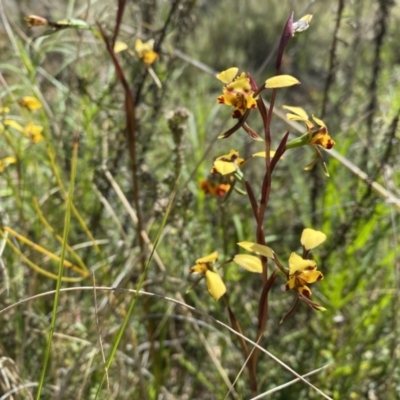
330, 144
236, 114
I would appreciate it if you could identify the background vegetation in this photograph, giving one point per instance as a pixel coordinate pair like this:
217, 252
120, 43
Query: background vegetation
349, 65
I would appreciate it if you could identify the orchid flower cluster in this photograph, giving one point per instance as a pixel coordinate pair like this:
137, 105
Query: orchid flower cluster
241, 92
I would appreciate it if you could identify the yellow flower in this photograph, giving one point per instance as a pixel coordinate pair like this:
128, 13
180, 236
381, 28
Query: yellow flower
227, 163
145, 51
237, 92
33, 132
31, 103
314, 137
218, 190
6, 161
301, 272
215, 285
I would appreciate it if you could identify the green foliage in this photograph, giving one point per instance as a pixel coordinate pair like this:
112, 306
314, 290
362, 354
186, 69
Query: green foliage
164, 350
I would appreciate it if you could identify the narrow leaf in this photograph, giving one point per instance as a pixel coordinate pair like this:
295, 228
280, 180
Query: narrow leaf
279, 151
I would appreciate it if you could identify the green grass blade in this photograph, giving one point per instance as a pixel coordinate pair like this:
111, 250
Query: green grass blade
60, 269
140, 284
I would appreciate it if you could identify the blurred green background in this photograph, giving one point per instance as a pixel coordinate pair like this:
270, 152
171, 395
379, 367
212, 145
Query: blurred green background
348, 63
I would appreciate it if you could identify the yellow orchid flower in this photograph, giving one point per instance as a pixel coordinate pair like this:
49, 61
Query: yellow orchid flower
314, 137
301, 272
33, 132
237, 92
145, 51
215, 284
31, 103
218, 190
227, 163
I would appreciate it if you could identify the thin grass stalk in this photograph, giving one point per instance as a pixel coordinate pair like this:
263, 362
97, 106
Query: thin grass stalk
76, 213
42, 250
177, 302
61, 266
58, 237
134, 298
31, 264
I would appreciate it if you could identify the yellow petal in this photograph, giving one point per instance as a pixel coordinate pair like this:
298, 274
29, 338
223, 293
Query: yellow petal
199, 269
298, 264
13, 124
224, 167
149, 57
311, 238
228, 75
304, 290
318, 121
306, 18
297, 110
310, 277
303, 23
321, 138
142, 47
251, 101
211, 258
4, 110
231, 156
120, 46
257, 248
228, 99
6, 161
281, 81
251, 263
9, 160
31, 103
240, 84
294, 117
262, 154
291, 283
33, 132
215, 285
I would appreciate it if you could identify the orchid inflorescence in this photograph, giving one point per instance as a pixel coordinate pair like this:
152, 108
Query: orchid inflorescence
241, 92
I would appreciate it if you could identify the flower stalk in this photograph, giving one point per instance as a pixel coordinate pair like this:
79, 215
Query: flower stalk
241, 92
